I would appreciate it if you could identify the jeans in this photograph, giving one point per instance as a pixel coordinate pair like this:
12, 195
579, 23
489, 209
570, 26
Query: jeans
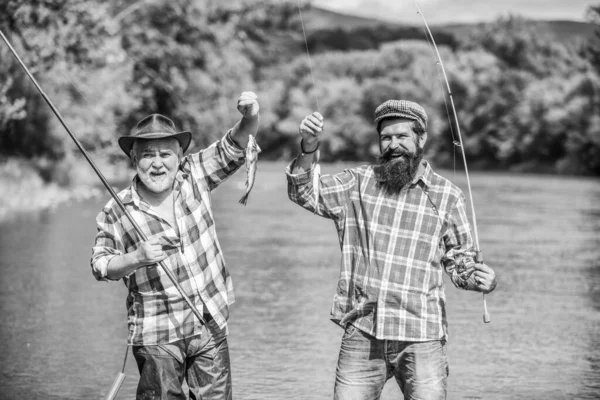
365, 364
203, 361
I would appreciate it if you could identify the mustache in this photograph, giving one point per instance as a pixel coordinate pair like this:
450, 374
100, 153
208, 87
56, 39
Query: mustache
388, 154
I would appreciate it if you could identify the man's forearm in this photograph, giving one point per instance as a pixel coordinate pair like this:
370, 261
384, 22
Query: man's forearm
122, 265
306, 158
241, 130
303, 163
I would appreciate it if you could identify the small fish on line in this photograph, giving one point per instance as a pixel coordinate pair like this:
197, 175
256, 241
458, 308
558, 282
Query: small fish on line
252, 151
316, 181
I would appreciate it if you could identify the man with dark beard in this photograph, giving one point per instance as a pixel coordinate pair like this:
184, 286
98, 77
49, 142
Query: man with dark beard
399, 225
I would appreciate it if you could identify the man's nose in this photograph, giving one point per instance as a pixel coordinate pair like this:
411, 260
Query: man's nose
156, 161
394, 144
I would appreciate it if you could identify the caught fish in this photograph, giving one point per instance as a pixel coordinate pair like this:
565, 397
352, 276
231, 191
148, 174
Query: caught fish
252, 151
316, 181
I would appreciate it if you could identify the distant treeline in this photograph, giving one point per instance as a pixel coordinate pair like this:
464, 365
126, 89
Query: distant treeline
371, 37
524, 101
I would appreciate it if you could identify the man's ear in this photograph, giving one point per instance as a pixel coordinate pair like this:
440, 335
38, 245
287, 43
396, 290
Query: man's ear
133, 159
422, 139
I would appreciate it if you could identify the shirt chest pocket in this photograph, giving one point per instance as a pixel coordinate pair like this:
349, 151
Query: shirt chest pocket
192, 205
432, 222
197, 218
430, 233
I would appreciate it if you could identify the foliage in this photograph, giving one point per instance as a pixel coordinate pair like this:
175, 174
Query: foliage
191, 59
371, 37
52, 38
523, 101
593, 46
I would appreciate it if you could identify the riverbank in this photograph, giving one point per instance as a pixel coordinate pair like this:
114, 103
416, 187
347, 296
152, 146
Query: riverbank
24, 190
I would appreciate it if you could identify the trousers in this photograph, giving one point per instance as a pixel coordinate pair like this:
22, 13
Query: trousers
202, 361
365, 364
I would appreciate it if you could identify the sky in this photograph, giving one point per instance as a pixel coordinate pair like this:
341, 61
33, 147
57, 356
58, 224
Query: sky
445, 11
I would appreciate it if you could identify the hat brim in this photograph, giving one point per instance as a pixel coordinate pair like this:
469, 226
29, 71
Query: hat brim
184, 139
409, 117
396, 115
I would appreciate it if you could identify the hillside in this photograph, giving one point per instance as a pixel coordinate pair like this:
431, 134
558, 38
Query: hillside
563, 31
316, 19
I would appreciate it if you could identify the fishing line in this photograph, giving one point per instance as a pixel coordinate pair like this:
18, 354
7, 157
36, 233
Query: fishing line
316, 173
309, 60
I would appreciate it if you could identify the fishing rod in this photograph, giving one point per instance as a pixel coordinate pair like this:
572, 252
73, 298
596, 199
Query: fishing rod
478, 253
104, 181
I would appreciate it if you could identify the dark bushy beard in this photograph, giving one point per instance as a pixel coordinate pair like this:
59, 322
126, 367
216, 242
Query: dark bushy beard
394, 173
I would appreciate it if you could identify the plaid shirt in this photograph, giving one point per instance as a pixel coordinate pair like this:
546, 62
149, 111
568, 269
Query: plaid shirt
393, 249
157, 313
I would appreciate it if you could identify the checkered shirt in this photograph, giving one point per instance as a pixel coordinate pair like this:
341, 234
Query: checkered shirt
394, 247
156, 311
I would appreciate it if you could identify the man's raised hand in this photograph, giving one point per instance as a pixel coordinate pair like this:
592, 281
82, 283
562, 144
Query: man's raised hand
311, 129
247, 104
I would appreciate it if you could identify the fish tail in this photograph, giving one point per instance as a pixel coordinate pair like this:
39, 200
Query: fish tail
244, 198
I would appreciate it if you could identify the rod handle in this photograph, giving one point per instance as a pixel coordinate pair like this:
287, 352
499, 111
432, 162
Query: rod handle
486, 315
479, 256
116, 385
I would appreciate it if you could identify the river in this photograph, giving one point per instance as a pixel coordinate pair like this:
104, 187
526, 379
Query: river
63, 334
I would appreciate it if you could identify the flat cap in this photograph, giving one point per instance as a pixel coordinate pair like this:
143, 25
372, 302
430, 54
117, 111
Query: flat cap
401, 109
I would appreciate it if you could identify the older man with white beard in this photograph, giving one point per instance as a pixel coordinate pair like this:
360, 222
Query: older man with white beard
170, 200
399, 226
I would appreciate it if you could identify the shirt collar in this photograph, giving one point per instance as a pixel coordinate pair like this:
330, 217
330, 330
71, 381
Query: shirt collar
424, 174
132, 196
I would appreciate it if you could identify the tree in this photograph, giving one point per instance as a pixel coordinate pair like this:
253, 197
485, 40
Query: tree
191, 59
516, 42
51, 37
594, 43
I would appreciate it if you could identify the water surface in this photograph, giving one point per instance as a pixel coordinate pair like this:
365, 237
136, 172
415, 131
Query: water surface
63, 334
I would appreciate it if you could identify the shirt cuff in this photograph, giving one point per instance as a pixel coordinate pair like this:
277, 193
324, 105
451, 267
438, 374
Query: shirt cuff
100, 264
231, 147
301, 178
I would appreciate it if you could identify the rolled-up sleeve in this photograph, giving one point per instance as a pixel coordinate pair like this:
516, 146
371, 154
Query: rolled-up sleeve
108, 244
332, 194
217, 162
